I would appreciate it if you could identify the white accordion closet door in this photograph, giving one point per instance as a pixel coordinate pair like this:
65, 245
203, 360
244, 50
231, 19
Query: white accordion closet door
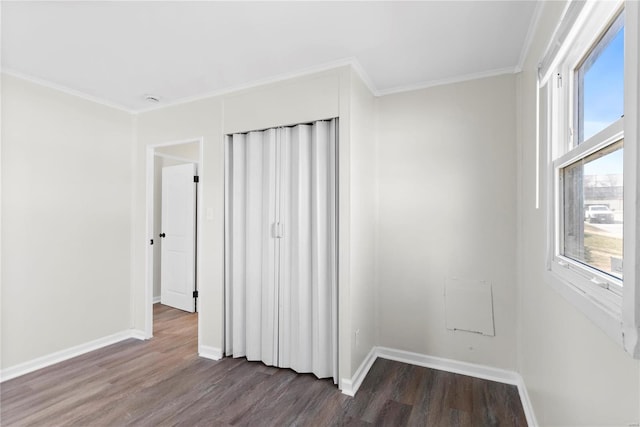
308, 327
251, 299
281, 221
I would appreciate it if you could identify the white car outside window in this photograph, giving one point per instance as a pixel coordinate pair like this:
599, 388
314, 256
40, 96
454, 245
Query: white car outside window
599, 213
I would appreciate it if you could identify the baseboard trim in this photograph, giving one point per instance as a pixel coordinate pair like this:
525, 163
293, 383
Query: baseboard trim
62, 355
526, 402
449, 365
351, 386
208, 352
156, 300
139, 334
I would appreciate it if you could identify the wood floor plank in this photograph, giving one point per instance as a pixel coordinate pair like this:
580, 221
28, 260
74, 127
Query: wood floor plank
422, 396
162, 382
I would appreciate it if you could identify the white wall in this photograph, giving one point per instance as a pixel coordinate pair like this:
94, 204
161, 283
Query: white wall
447, 208
363, 218
66, 215
575, 374
292, 101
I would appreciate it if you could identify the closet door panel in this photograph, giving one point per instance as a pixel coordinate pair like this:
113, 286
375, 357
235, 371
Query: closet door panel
260, 252
237, 239
307, 341
321, 245
270, 253
253, 276
333, 243
286, 257
297, 315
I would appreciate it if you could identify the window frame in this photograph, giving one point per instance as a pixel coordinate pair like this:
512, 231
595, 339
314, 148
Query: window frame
596, 278
578, 98
601, 297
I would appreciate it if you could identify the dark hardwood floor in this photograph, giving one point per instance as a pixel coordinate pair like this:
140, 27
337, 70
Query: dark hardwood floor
163, 382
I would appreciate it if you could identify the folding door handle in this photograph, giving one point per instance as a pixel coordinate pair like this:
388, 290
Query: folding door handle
277, 230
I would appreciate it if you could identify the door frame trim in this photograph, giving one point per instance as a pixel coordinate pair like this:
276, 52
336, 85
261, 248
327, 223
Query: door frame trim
150, 163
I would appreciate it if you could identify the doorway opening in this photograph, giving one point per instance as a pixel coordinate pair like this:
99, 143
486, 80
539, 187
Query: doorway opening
173, 195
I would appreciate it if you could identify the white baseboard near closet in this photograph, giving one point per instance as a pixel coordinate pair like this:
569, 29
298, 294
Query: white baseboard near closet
156, 300
139, 334
62, 355
351, 386
208, 352
449, 365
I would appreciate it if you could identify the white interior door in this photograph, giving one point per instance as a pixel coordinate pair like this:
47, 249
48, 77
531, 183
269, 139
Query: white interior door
178, 237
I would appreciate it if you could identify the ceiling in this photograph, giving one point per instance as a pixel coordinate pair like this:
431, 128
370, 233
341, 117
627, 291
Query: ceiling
118, 52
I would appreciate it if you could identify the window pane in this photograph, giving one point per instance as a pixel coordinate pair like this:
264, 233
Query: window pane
600, 83
592, 196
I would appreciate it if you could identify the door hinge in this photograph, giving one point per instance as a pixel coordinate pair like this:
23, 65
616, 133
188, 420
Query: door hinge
559, 80
163, 235
195, 294
196, 178
151, 242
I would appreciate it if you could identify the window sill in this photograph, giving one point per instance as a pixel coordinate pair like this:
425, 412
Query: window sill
605, 314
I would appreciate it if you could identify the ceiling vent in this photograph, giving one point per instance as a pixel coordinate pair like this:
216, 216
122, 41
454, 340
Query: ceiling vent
152, 99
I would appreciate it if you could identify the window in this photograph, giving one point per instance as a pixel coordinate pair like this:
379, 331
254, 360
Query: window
592, 220
589, 135
589, 170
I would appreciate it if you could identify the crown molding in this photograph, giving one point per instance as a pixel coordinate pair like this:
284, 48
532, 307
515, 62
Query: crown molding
528, 40
347, 62
449, 80
327, 66
65, 89
359, 69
